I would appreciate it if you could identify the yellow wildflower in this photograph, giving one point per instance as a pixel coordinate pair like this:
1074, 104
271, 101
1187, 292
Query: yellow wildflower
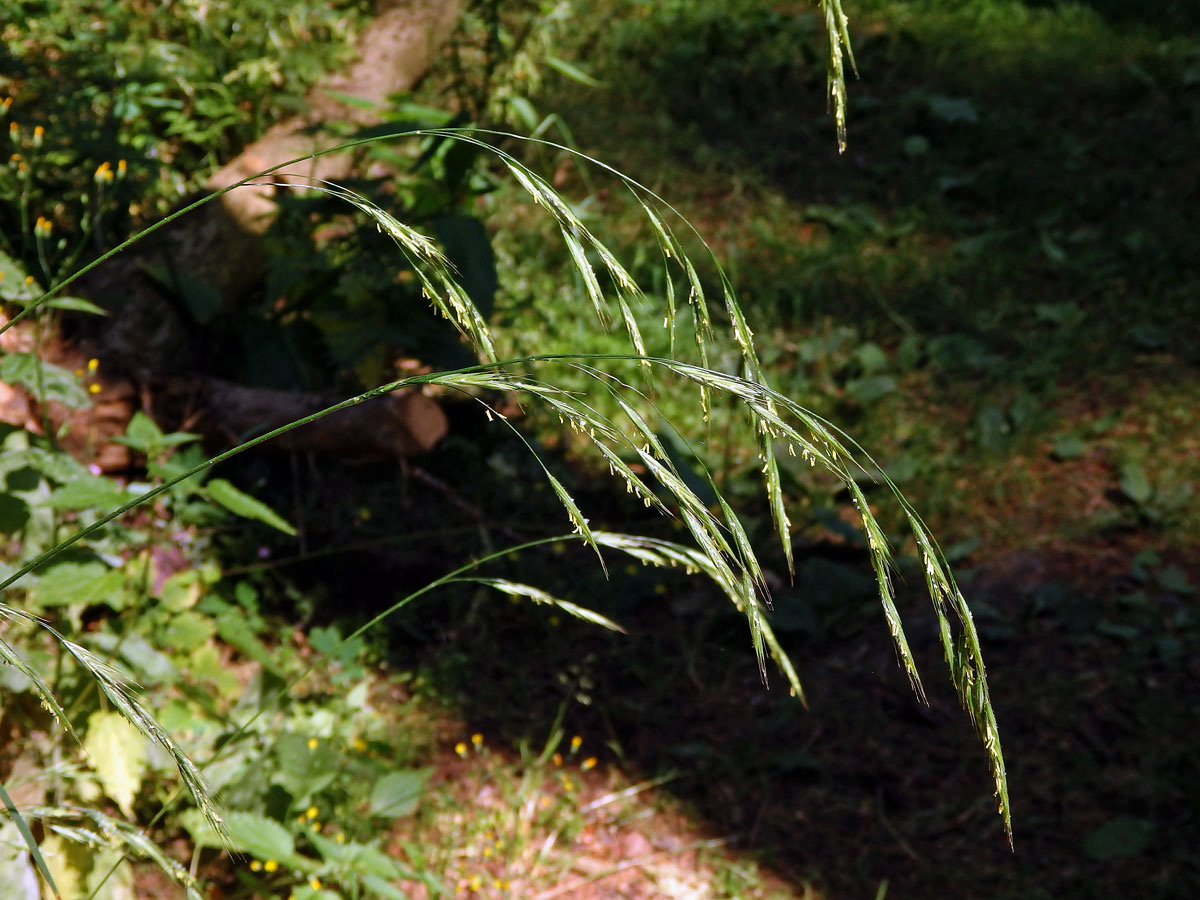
576, 743
255, 865
477, 740
315, 883
311, 812
92, 365
94, 388
461, 749
589, 763
313, 743
556, 759
38, 133
270, 865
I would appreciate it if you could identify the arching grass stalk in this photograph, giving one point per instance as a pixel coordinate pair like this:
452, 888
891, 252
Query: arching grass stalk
722, 550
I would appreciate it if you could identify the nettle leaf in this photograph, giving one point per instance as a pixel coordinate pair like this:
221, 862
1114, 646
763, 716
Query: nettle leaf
92, 492
259, 836
240, 504
118, 755
85, 583
54, 383
303, 769
397, 794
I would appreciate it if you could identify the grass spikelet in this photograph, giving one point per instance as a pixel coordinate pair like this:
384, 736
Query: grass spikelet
537, 595
111, 682
107, 832
45, 695
588, 274
881, 563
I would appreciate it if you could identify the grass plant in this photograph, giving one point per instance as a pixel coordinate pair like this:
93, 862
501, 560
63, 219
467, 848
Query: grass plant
612, 401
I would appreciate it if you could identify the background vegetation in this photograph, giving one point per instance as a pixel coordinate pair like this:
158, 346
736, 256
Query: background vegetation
993, 290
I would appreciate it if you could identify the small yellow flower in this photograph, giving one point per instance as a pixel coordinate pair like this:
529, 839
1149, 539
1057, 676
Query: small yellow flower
300, 819
461, 749
313, 743
14, 131
271, 866
477, 740
475, 883
487, 852
104, 173
576, 743
92, 365
341, 838
38, 133
94, 388
122, 168
315, 883
42, 227
556, 759
4, 105
359, 744
15, 158
29, 279
589, 763
311, 812
316, 827
545, 803
255, 865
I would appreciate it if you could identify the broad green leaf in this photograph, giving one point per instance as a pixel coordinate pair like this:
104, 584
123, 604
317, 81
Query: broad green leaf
118, 755
151, 665
259, 836
57, 383
141, 434
236, 631
1134, 483
188, 630
306, 764
93, 492
397, 793
85, 583
246, 506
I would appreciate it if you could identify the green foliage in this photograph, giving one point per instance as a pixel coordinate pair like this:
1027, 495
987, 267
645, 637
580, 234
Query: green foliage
133, 612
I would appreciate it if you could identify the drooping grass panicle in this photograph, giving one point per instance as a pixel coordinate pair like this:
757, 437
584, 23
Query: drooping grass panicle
11, 656
537, 595
114, 686
101, 832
